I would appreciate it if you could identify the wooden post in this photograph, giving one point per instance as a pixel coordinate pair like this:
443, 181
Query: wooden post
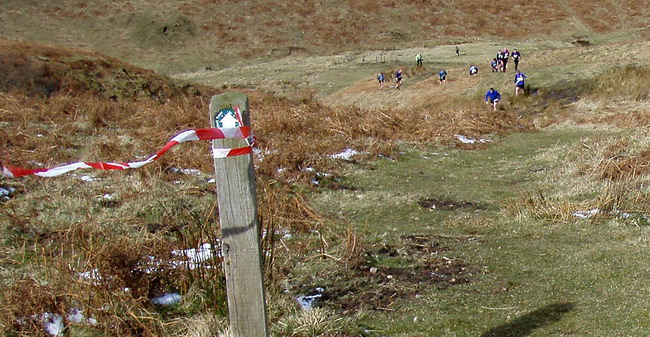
235, 177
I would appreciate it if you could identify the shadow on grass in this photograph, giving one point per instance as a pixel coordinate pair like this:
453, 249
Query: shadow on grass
526, 324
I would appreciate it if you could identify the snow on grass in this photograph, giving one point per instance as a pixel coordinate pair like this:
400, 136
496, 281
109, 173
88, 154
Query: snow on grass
586, 214
468, 140
347, 154
167, 299
195, 257
308, 302
53, 324
86, 178
6, 193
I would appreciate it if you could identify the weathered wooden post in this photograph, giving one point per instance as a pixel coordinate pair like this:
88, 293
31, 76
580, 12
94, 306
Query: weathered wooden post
235, 177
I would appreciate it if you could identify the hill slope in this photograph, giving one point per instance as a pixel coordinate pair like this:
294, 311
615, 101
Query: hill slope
180, 35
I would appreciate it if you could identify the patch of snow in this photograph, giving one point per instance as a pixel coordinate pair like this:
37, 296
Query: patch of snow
107, 197
167, 299
347, 154
195, 256
467, 140
628, 215
286, 234
53, 324
76, 315
586, 214
259, 154
192, 172
91, 275
623, 215
308, 302
6, 192
89, 178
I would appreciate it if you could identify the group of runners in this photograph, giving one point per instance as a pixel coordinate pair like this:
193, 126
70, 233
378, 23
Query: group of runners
498, 64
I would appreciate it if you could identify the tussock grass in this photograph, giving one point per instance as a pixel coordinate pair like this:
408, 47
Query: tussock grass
316, 322
607, 175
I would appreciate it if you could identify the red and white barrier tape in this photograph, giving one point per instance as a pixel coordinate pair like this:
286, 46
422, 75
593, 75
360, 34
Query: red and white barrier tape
189, 135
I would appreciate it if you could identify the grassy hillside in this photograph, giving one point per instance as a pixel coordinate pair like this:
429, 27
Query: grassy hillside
65, 105
451, 219
172, 36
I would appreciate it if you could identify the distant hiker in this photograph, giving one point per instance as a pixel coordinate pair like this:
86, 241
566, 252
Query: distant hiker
398, 79
519, 81
495, 65
457, 51
506, 56
443, 76
381, 78
516, 57
418, 59
473, 70
492, 96
500, 60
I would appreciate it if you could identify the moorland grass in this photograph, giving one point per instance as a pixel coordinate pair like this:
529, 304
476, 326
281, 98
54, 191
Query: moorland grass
547, 275
532, 267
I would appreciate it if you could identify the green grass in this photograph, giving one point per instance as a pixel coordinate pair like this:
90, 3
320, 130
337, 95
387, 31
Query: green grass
532, 277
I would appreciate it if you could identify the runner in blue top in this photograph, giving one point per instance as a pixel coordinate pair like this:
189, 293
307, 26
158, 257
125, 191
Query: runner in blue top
443, 76
381, 78
492, 96
398, 79
519, 81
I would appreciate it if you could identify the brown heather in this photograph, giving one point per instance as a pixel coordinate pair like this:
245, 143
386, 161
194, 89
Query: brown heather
68, 228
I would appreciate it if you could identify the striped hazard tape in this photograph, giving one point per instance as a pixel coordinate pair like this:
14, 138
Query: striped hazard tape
185, 136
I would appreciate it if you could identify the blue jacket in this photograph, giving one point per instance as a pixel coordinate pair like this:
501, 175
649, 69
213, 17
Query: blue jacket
493, 96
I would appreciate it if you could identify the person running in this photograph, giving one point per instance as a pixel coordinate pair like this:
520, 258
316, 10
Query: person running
398, 79
519, 82
500, 60
473, 70
492, 96
516, 56
495, 65
443, 76
506, 57
418, 59
381, 78
457, 51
